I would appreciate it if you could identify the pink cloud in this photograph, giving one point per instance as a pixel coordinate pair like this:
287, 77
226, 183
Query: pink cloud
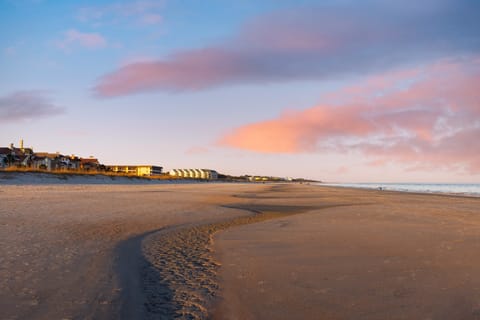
320, 42
424, 118
151, 18
172, 75
74, 37
342, 170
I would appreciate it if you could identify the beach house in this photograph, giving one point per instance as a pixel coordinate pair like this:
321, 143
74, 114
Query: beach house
206, 174
45, 161
88, 164
4, 156
140, 170
13, 156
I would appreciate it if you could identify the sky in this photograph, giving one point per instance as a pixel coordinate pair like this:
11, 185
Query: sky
334, 90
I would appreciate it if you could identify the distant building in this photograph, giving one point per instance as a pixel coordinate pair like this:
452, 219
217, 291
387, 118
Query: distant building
206, 174
13, 156
25, 158
46, 161
142, 170
54, 161
88, 164
5, 154
70, 162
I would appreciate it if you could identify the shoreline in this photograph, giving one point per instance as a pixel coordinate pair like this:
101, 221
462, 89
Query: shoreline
414, 192
19, 178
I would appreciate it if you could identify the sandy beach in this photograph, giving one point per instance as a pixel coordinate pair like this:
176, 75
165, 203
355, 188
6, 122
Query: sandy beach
70, 251
379, 255
235, 251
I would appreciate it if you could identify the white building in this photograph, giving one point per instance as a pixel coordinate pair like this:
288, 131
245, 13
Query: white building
206, 174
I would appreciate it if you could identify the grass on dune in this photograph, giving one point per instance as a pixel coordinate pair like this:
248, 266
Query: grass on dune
70, 172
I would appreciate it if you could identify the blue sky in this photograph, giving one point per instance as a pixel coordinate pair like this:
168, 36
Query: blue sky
331, 90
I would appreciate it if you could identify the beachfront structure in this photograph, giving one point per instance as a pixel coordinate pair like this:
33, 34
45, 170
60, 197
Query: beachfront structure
206, 174
57, 161
22, 157
88, 164
143, 170
4, 155
46, 161
13, 156
25, 158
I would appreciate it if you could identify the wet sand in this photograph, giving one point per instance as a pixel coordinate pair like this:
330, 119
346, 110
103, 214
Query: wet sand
236, 251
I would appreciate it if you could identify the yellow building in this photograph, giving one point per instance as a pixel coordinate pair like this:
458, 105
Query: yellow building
143, 170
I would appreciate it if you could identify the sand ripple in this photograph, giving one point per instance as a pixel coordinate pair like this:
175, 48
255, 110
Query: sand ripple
180, 279
179, 276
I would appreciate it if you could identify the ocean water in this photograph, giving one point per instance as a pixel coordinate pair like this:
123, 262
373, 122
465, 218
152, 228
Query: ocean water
468, 189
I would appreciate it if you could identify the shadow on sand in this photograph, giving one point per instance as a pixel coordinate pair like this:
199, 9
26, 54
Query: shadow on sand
144, 293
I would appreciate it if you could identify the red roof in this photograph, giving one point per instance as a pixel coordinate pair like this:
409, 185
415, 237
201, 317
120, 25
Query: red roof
47, 155
88, 160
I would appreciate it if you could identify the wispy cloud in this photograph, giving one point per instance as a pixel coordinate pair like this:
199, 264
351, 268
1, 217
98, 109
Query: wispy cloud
197, 150
151, 18
10, 51
424, 118
13, 49
27, 105
73, 38
143, 12
322, 42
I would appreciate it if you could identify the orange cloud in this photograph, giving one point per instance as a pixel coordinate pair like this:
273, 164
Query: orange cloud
425, 117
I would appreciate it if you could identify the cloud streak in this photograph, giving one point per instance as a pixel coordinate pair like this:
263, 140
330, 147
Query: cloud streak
73, 38
323, 42
27, 105
423, 118
144, 12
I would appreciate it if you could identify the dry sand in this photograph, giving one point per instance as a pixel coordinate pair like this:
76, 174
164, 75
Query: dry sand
382, 255
75, 251
279, 251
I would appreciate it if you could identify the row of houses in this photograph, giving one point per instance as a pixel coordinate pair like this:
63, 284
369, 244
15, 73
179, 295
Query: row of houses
22, 157
267, 178
194, 173
27, 158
